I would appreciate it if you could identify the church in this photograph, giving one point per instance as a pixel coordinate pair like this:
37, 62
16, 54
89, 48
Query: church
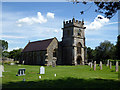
70, 51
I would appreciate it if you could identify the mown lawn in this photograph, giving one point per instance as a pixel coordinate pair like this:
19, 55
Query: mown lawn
66, 77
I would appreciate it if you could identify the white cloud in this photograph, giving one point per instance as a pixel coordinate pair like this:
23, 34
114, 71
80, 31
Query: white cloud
98, 22
50, 15
11, 49
31, 20
113, 23
12, 37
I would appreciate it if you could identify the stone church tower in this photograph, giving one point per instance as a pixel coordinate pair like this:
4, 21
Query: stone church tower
73, 42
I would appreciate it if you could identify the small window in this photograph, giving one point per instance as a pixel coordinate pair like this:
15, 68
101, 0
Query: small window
78, 34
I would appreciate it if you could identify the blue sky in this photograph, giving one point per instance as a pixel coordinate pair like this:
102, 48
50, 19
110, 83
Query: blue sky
24, 21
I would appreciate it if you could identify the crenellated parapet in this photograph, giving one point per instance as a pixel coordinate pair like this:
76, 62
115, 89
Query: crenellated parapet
73, 22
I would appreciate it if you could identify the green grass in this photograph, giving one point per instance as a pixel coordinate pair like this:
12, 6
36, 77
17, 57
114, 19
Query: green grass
66, 77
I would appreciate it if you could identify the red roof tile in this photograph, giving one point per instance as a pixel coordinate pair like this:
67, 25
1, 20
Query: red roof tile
37, 45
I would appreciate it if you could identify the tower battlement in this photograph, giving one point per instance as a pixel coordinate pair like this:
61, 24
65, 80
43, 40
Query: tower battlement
73, 22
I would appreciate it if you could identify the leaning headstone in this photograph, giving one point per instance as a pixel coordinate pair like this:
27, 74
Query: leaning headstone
21, 72
91, 65
116, 68
94, 66
110, 65
42, 70
100, 65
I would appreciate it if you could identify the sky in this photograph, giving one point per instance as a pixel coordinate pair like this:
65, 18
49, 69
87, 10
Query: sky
24, 21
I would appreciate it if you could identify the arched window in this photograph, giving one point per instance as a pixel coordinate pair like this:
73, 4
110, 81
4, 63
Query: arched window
79, 46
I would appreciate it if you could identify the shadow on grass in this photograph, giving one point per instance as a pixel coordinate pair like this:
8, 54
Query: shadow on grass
65, 83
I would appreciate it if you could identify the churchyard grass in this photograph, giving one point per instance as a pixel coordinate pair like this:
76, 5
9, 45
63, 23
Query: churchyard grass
66, 76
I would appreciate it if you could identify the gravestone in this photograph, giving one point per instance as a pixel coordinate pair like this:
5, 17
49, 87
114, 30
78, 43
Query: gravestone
55, 75
100, 65
21, 72
110, 65
23, 62
91, 65
116, 67
42, 70
94, 66
1, 70
107, 63
12, 63
39, 77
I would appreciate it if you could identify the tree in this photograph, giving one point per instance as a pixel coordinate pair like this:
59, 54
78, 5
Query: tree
5, 54
4, 45
15, 54
118, 47
109, 9
89, 53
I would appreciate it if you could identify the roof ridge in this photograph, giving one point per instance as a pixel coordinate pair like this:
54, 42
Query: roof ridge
42, 40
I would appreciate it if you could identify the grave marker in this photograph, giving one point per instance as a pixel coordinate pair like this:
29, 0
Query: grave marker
55, 75
107, 63
42, 70
39, 77
21, 72
91, 65
94, 66
23, 62
110, 65
54, 63
116, 67
100, 65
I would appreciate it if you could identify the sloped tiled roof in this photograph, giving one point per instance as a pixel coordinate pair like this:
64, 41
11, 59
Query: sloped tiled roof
37, 45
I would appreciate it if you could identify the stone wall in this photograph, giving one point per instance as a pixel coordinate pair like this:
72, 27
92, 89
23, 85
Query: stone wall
34, 58
52, 48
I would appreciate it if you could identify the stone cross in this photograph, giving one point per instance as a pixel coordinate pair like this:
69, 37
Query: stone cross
107, 63
116, 68
90, 64
110, 65
94, 66
100, 65
42, 70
